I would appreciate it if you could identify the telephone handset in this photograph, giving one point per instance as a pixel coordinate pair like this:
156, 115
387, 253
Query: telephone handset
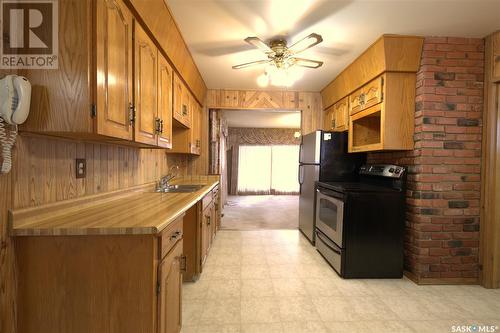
15, 99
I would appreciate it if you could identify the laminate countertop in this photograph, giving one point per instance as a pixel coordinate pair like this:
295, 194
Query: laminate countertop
136, 211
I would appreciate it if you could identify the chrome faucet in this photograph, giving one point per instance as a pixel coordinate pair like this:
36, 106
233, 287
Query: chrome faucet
164, 181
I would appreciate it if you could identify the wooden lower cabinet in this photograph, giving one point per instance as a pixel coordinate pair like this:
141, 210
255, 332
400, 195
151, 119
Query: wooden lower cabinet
170, 291
206, 234
100, 283
200, 226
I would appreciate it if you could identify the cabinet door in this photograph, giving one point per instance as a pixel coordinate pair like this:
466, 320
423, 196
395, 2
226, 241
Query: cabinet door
170, 298
213, 225
205, 233
165, 102
341, 115
178, 91
367, 96
329, 120
186, 107
195, 127
146, 88
114, 69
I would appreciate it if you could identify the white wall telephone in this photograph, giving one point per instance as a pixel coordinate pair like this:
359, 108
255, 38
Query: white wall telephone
15, 99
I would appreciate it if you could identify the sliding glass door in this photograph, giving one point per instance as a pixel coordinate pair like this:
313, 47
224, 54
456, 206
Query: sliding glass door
268, 170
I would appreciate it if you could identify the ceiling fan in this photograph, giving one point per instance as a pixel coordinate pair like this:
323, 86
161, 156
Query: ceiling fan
282, 56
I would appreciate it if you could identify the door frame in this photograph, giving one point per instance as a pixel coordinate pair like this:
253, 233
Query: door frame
489, 244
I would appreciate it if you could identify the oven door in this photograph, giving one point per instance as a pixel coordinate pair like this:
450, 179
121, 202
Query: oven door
329, 215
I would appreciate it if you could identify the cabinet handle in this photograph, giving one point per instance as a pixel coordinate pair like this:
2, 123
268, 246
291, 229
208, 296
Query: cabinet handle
362, 99
208, 220
183, 263
175, 235
161, 125
333, 123
157, 126
198, 143
184, 110
131, 113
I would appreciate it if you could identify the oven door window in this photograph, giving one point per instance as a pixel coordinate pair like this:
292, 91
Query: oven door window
328, 213
329, 217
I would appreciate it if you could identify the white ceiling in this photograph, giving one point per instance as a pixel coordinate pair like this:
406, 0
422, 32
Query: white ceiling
262, 119
214, 31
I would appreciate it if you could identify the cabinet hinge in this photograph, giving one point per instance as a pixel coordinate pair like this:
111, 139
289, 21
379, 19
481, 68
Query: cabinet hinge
158, 288
93, 111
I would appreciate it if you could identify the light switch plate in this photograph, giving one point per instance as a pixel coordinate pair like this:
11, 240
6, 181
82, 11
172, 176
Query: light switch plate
81, 168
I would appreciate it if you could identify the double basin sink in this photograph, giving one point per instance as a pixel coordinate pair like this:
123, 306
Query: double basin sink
179, 188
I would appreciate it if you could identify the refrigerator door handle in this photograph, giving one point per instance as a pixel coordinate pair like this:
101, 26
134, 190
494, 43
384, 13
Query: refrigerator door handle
300, 176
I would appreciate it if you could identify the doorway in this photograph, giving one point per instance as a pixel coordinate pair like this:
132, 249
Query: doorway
261, 155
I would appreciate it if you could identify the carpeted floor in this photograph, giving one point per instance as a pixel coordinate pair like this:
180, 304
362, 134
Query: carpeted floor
256, 212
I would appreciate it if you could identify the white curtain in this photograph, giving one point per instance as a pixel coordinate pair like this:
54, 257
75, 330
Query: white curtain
254, 170
285, 167
268, 170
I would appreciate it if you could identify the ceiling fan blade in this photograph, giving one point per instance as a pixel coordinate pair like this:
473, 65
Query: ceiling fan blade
253, 63
258, 43
307, 63
305, 43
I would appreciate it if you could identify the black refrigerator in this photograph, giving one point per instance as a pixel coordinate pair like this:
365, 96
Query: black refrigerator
323, 157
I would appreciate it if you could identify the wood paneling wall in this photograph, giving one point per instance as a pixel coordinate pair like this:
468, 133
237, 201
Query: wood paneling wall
45, 169
308, 102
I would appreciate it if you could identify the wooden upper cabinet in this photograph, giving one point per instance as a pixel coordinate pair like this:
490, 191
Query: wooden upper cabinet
341, 114
165, 102
329, 119
114, 69
170, 298
186, 108
146, 88
367, 96
195, 128
336, 117
159, 20
388, 125
182, 112
177, 97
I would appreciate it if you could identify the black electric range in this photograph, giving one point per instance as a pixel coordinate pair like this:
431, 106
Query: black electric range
360, 225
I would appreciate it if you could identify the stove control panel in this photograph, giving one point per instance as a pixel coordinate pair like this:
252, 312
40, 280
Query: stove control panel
382, 170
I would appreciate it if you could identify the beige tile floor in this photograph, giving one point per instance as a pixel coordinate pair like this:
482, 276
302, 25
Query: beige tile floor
257, 212
275, 281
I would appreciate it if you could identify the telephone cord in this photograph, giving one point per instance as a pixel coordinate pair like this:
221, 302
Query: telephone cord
7, 142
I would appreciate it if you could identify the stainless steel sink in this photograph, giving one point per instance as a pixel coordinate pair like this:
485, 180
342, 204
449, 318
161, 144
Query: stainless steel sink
179, 188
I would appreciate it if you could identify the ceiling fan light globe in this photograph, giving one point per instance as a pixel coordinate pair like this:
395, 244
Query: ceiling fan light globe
263, 80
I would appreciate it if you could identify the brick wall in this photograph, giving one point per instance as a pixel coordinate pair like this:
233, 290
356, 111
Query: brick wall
442, 234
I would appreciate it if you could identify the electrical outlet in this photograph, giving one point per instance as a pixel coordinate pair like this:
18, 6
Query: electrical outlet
81, 168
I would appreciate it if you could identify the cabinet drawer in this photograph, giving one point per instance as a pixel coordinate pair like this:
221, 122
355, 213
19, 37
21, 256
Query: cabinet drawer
207, 199
170, 236
368, 95
215, 191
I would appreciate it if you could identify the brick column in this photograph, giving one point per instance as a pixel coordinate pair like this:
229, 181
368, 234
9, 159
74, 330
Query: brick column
442, 226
